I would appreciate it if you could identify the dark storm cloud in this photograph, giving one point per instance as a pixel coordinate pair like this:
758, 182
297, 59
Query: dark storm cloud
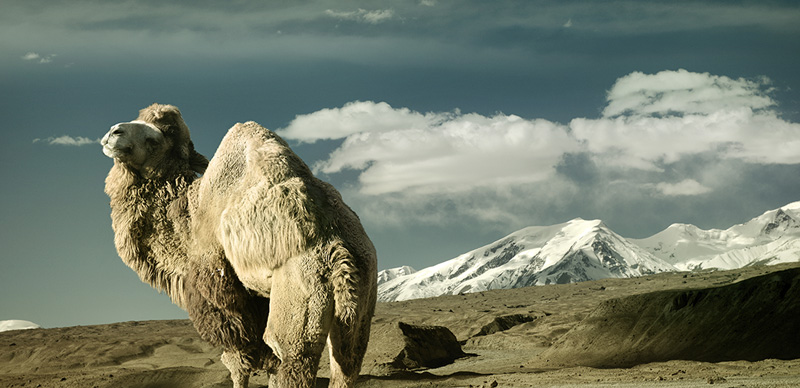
151, 23
508, 37
493, 23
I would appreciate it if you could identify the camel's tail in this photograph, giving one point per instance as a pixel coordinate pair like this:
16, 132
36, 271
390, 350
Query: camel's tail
345, 279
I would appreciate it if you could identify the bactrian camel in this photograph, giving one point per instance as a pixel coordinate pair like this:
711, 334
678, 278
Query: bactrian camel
267, 259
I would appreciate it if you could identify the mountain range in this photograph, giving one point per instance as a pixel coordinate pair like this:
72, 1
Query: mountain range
581, 250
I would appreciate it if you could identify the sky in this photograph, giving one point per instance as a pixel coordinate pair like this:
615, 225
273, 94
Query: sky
446, 125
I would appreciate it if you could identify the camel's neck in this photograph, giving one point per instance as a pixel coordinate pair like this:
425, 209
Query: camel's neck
151, 221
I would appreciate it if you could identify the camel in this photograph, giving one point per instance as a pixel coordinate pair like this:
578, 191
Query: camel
267, 259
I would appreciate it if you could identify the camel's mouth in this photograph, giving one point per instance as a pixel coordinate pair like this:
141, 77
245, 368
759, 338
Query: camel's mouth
116, 152
114, 146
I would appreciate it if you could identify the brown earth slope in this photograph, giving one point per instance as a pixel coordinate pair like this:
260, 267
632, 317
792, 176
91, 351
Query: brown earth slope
754, 319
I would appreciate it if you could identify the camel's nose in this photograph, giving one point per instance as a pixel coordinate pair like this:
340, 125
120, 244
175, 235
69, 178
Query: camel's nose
117, 130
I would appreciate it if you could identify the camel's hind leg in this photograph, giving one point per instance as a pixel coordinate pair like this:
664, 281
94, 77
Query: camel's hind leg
301, 309
347, 344
348, 338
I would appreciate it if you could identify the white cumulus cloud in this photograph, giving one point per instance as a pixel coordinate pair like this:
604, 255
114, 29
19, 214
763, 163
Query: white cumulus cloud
67, 140
646, 142
423, 162
439, 152
38, 58
660, 118
684, 92
357, 117
363, 15
682, 188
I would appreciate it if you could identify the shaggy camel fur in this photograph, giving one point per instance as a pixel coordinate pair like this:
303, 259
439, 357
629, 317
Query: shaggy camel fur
255, 248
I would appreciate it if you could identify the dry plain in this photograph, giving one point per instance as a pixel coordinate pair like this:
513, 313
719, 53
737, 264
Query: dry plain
725, 328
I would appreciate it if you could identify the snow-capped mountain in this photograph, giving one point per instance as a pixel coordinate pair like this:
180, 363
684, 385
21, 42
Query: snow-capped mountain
582, 250
772, 238
391, 273
16, 324
575, 251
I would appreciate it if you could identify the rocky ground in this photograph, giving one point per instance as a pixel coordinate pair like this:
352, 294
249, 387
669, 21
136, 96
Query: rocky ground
727, 328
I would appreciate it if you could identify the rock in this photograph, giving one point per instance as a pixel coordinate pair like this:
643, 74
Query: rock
716, 380
427, 346
504, 323
403, 346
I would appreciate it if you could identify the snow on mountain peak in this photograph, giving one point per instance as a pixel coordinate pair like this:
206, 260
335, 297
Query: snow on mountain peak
781, 222
580, 250
16, 324
392, 273
762, 239
577, 250
794, 206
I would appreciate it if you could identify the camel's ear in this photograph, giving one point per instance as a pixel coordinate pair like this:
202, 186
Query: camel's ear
185, 149
197, 162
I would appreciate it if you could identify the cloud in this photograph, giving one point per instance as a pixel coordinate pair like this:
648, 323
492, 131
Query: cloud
683, 188
400, 150
661, 134
38, 58
683, 92
363, 15
354, 118
655, 119
502, 207
647, 142
67, 140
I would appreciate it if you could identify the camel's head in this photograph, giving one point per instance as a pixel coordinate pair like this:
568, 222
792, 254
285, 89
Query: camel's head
157, 136
135, 143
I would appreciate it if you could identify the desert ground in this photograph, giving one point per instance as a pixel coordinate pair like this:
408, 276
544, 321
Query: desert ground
737, 328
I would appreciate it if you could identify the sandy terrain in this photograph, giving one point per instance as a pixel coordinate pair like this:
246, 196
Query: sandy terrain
631, 335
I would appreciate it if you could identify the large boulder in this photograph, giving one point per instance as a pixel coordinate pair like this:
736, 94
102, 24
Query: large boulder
402, 346
427, 346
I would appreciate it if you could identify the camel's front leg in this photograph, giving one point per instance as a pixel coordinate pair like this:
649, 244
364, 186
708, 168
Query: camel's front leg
239, 367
